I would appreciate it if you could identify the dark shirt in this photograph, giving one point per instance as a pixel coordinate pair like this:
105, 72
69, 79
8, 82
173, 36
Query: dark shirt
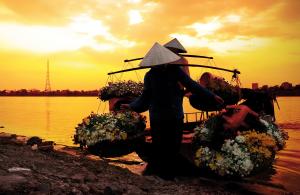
162, 94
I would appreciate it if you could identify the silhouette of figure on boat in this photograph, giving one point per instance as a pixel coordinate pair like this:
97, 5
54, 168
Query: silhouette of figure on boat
163, 96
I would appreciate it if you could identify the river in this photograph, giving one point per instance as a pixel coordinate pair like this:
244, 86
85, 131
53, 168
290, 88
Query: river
54, 118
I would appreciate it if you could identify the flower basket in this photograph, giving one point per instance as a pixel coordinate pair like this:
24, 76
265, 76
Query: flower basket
204, 104
107, 148
121, 89
230, 94
236, 154
110, 134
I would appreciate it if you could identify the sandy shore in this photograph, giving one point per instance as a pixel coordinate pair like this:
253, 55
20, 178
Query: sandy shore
68, 170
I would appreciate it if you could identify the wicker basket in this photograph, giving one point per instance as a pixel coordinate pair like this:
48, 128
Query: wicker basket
117, 148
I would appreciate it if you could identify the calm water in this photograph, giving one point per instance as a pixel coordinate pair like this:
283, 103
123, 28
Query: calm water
54, 118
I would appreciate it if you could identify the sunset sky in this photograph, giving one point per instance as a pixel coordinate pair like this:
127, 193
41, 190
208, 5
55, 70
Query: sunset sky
86, 39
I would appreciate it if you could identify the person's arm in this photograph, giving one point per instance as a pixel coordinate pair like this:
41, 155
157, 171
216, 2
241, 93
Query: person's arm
141, 104
237, 119
195, 88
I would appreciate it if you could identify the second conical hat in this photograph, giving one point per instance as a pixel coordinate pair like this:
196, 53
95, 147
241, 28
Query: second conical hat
175, 46
158, 55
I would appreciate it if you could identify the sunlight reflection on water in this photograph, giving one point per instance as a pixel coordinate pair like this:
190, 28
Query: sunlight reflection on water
54, 118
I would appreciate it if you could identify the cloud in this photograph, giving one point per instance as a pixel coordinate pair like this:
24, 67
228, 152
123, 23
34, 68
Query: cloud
209, 34
134, 1
237, 44
93, 32
5, 11
82, 31
135, 17
206, 28
248, 18
233, 18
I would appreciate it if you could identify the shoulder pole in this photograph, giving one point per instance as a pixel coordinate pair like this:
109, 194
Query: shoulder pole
184, 55
235, 71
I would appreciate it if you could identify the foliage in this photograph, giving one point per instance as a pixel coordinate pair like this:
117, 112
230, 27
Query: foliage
229, 93
121, 89
262, 147
240, 154
111, 127
278, 134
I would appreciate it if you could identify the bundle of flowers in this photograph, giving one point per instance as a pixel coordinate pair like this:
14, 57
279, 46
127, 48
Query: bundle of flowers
239, 154
279, 135
111, 127
121, 89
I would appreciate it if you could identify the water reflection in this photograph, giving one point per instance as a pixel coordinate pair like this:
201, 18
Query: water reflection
47, 109
54, 118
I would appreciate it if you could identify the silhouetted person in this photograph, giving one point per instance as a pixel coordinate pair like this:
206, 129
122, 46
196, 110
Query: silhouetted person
163, 97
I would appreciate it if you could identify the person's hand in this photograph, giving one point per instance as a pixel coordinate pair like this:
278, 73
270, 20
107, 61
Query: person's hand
188, 94
233, 106
125, 107
219, 100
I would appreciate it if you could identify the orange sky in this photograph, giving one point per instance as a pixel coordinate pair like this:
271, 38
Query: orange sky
85, 39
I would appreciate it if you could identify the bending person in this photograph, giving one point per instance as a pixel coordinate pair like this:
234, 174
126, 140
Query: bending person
237, 117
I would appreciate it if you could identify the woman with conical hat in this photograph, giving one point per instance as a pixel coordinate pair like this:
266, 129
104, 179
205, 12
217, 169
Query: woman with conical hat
175, 46
162, 96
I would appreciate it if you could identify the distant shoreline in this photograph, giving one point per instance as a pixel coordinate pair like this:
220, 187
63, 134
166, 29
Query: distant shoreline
296, 95
96, 95
48, 95
277, 91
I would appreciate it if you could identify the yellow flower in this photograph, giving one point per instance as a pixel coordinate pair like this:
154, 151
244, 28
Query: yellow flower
212, 166
219, 157
197, 163
123, 135
198, 153
260, 144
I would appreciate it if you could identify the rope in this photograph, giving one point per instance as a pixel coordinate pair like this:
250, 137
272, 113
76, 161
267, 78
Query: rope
115, 77
104, 108
99, 104
106, 82
136, 73
123, 68
235, 79
130, 65
138, 76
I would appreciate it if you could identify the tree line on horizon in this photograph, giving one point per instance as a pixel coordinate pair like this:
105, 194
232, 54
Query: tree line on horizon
35, 92
282, 90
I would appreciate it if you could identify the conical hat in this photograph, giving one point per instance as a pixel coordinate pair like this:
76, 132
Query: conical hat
176, 46
158, 55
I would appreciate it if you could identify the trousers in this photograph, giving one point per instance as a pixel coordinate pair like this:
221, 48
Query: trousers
166, 142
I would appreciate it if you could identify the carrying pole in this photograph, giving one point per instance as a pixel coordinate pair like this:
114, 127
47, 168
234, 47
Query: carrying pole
196, 56
235, 71
184, 55
130, 60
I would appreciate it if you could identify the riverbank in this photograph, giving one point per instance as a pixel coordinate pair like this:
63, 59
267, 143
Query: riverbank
68, 170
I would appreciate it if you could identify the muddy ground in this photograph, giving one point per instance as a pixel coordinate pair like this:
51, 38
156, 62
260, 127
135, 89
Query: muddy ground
68, 170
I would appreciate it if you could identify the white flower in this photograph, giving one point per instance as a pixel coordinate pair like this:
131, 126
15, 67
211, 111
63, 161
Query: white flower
248, 165
265, 123
204, 130
240, 139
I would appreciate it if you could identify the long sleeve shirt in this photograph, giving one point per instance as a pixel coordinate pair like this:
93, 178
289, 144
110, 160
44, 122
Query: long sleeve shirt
162, 94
